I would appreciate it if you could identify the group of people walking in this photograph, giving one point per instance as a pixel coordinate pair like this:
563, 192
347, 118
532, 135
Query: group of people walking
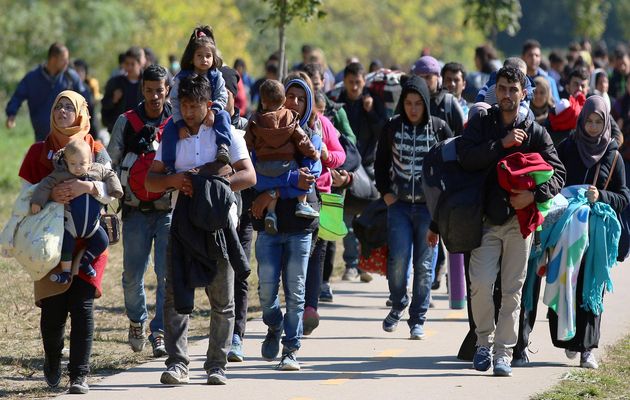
195, 178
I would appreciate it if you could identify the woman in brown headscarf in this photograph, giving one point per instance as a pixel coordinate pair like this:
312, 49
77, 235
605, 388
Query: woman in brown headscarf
590, 157
70, 121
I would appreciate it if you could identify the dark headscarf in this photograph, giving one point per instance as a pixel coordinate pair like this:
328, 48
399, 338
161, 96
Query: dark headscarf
592, 148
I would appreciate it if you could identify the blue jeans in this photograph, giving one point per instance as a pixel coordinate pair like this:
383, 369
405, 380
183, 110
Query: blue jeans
407, 226
287, 254
140, 232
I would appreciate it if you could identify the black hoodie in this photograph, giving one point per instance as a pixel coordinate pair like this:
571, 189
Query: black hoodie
402, 146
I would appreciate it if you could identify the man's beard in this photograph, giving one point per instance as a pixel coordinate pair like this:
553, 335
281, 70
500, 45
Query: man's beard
506, 106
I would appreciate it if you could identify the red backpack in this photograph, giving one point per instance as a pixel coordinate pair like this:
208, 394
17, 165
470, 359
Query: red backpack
137, 162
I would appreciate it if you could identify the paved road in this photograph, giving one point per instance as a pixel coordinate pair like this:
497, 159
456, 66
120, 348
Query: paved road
350, 357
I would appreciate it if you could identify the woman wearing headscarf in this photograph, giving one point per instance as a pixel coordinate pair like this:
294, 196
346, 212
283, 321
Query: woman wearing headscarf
286, 254
69, 120
591, 158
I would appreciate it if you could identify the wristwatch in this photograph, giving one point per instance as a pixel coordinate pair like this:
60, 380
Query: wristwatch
273, 193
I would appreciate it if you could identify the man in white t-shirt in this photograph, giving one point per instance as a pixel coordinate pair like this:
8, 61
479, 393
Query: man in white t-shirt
195, 151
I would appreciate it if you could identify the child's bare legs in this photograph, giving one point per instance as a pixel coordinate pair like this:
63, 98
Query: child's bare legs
271, 220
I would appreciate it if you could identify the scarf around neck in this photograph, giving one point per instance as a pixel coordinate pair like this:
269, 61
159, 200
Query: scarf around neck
592, 148
59, 137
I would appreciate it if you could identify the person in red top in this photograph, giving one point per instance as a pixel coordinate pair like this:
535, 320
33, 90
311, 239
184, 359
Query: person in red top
70, 120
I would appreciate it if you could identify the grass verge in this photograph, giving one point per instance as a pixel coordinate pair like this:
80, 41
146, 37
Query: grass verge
610, 381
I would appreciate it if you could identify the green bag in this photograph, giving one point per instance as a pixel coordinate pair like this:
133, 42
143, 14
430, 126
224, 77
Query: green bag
331, 225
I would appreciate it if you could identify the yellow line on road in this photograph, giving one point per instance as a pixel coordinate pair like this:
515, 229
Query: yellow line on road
456, 314
389, 353
341, 379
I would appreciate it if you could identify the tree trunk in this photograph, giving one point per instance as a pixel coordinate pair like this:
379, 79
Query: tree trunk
281, 34
282, 69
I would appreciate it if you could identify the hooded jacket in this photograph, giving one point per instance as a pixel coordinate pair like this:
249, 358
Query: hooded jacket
276, 136
402, 146
480, 149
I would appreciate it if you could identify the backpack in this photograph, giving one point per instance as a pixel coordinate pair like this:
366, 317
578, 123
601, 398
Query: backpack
454, 197
140, 152
385, 84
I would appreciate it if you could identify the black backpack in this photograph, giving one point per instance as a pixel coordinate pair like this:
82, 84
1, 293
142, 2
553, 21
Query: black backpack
454, 197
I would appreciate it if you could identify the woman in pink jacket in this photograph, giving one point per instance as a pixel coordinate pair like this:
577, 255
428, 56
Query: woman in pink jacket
332, 156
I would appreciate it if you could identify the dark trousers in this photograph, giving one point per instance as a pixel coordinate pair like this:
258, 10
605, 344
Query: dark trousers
96, 245
526, 322
329, 260
314, 274
78, 300
241, 288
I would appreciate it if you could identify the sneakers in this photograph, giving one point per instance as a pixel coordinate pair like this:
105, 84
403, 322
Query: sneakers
326, 294
137, 336
417, 332
175, 374
216, 376
236, 351
289, 362
350, 274
482, 361
365, 277
304, 210
271, 345
157, 343
223, 154
502, 367
63, 278
271, 223
587, 360
391, 321
521, 361
570, 354
78, 385
389, 303
52, 371
311, 320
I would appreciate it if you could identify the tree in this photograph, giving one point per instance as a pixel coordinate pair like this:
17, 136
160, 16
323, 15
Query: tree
494, 16
283, 12
590, 17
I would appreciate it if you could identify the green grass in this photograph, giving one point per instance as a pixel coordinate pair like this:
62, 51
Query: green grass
610, 381
13, 146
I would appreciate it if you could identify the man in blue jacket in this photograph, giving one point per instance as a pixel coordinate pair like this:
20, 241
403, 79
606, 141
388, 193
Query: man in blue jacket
40, 87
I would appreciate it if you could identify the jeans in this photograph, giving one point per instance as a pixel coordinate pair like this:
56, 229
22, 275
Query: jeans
223, 128
140, 232
285, 254
407, 226
78, 300
220, 292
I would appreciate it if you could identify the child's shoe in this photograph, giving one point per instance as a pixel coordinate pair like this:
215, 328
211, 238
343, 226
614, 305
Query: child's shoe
87, 268
304, 210
62, 278
271, 223
223, 154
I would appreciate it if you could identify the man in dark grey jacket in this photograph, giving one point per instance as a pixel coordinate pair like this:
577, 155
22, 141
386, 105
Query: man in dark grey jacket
486, 140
